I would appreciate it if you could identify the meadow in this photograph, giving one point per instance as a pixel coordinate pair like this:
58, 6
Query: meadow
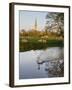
39, 40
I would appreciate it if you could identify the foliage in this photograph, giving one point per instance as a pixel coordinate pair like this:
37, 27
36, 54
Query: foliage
55, 19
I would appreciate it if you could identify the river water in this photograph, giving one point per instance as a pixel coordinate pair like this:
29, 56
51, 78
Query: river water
41, 63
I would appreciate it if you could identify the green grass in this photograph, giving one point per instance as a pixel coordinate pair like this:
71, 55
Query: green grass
34, 44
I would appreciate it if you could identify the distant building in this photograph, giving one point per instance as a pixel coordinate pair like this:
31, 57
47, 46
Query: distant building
35, 24
35, 28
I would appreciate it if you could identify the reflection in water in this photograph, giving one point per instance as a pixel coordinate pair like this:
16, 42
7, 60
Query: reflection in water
38, 66
42, 63
53, 59
54, 69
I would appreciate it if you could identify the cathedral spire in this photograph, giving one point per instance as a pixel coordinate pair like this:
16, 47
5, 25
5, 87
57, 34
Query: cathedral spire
36, 24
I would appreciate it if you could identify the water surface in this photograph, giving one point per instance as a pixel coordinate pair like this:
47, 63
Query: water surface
41, 63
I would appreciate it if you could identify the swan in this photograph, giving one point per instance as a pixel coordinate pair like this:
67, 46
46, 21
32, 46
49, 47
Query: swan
50, 54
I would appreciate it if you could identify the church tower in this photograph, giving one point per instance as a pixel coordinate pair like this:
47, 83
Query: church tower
35, 24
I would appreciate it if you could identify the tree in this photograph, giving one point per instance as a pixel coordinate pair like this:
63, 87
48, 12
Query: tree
55, 19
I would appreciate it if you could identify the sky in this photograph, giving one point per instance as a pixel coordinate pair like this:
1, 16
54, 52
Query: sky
27, 19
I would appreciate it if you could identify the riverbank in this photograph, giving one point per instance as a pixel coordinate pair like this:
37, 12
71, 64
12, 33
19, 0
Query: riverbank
34, 45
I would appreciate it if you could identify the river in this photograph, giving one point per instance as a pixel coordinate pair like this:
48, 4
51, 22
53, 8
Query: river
41, 63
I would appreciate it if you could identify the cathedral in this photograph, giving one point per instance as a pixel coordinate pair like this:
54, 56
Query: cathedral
35, 25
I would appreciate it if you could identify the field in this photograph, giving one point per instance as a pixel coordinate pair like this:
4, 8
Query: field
36, 41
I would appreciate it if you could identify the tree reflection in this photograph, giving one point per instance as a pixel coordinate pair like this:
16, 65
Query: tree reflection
53, 69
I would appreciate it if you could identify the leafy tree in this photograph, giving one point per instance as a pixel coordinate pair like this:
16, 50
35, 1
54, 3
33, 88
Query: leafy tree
55, 19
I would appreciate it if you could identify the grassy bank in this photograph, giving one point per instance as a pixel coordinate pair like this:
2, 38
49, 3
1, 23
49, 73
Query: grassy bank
34, 45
